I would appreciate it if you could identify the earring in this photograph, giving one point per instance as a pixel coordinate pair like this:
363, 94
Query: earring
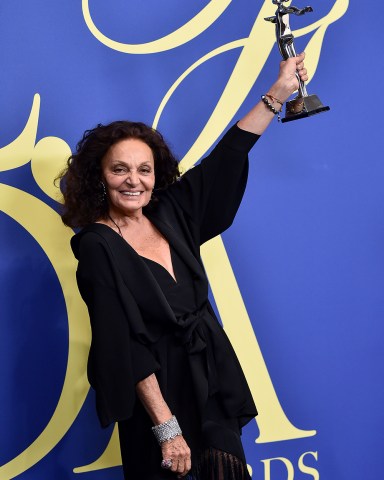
103, 194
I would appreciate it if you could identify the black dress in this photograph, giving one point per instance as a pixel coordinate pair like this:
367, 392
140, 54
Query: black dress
143, 322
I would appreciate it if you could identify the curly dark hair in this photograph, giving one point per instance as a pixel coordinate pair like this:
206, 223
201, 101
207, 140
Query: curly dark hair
80, 182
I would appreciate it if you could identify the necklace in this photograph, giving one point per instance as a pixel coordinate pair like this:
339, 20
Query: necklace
116, 225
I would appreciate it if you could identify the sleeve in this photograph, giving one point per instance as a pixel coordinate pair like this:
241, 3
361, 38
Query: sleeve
117, 361
210, 193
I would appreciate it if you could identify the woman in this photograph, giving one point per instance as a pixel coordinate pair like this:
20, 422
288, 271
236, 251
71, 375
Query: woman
159, 361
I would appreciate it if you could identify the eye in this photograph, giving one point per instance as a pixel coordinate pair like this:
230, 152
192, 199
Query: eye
118, 170
146, 170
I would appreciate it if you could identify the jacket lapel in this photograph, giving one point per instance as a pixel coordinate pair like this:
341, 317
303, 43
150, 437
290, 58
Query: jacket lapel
136, 276
179, 245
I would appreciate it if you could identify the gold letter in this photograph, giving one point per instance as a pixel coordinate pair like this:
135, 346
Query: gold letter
45, 225
19, 152
303, 468
287, 463
198, 24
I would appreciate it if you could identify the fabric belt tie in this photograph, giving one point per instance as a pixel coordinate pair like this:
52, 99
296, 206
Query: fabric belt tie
195, 337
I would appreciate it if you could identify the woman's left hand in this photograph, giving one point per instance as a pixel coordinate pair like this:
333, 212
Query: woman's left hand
260, 116
287, 82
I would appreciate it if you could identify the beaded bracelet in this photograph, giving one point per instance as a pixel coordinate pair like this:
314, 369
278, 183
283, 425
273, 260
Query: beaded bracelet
274, 99
270, 106
167, 430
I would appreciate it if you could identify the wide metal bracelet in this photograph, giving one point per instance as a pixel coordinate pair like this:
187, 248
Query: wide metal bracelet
167, 430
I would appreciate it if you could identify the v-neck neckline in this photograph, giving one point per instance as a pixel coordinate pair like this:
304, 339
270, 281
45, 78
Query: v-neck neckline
174, 278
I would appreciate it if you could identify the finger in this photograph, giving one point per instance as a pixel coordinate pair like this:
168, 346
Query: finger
183, 473
303, 75
174, 465
183, 459
180, 466
188, 464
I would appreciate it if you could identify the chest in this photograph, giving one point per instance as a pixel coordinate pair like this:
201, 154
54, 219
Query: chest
150, 243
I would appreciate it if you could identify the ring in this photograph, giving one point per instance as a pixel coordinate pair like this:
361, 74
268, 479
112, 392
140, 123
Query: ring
166, 463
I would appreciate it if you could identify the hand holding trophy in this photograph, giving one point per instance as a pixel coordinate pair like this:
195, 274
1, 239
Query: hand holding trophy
303, 105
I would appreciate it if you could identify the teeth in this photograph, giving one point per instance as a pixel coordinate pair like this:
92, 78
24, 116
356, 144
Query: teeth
131, 194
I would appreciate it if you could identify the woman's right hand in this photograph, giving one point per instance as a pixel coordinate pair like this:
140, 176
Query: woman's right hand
179, 453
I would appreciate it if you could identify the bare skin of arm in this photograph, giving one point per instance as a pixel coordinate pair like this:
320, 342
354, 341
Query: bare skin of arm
148, 390
177, 450
258, 119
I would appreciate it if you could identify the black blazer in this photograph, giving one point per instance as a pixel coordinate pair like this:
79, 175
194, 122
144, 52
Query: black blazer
127, 309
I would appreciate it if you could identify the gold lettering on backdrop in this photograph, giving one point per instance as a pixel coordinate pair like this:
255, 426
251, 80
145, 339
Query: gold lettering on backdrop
290, 468
18, 152
45, 167
308, 470
111, 456
197, 25
45, 225
285, 461
247, 69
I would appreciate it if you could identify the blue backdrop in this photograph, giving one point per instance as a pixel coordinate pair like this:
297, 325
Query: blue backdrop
303, 263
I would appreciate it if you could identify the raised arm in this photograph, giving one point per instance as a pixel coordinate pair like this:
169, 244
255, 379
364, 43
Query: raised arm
258, 119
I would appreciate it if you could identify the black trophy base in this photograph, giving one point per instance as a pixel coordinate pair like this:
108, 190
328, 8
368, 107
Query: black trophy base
302, 107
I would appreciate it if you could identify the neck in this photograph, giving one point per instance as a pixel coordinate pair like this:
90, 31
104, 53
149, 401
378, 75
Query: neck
118, 220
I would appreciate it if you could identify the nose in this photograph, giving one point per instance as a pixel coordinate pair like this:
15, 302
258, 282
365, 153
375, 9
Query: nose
132, 179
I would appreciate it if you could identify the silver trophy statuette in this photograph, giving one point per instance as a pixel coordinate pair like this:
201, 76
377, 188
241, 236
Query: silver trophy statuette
303, 105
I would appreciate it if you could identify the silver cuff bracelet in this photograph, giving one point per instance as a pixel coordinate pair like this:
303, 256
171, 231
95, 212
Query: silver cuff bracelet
167, 430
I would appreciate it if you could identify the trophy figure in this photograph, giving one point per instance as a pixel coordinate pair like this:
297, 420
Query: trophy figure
303, 105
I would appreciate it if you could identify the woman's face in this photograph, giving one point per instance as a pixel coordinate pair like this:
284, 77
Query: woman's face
128, 172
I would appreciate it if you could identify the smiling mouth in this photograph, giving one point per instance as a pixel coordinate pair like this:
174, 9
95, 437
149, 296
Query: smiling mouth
131, 194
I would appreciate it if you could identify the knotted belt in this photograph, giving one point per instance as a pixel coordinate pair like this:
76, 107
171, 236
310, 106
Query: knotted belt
196, 338
214, 365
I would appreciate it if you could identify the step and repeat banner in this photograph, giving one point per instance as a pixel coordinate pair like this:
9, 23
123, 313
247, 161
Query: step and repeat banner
298, 279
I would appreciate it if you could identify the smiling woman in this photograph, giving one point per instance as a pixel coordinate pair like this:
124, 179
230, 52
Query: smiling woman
160, 363
128, 172
106, 152
128, 177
